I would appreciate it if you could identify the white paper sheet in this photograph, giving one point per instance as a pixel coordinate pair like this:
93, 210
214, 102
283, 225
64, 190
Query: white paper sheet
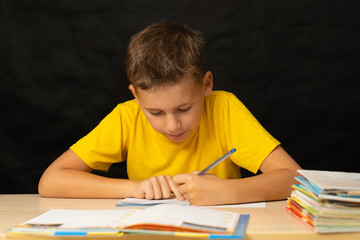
145, 202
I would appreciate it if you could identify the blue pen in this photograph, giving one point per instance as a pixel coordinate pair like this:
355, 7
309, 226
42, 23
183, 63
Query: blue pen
217, 162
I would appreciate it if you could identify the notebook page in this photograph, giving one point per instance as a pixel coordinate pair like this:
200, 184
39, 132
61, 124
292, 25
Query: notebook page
83, 218
173, 214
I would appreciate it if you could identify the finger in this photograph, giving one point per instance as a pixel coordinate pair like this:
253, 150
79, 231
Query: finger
174, 188
156, 188
165, 187
182, 189
195, 172
180, 178
148, 189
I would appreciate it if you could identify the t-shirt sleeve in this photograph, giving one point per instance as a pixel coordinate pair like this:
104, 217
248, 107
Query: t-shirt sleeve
106, 143
252, 142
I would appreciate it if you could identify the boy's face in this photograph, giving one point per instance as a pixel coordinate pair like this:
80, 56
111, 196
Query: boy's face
175, 110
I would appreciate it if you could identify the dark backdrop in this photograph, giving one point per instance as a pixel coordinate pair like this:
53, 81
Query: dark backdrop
294, 64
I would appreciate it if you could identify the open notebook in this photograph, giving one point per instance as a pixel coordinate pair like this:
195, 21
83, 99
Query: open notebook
172, 219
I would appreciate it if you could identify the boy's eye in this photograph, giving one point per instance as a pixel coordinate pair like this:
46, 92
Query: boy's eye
155, 113
184, 109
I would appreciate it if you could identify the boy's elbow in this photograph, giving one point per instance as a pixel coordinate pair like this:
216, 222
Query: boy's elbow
44, 188
42, 192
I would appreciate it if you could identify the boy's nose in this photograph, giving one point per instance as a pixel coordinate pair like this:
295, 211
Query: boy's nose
172, 123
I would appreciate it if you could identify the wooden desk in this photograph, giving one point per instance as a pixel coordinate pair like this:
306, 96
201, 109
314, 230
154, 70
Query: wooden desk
272, 222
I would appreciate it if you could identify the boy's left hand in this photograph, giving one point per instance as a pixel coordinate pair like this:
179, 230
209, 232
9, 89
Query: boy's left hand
201, 189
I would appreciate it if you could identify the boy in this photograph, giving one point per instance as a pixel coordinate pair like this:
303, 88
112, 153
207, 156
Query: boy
175, 126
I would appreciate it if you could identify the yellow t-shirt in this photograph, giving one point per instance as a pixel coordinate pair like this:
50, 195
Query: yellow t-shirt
125, 134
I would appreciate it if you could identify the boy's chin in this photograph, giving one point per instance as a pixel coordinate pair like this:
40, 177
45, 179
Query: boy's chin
177, 140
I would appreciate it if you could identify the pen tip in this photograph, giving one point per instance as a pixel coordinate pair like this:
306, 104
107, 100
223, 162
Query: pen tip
233, 150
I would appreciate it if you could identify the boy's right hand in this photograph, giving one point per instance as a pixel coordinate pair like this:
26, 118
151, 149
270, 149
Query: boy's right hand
158, 187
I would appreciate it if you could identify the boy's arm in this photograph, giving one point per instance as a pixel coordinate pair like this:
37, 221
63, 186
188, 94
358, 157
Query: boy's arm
275, 183
68, 176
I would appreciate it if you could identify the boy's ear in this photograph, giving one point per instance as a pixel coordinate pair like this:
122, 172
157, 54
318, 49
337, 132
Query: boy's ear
208, 83
132, 89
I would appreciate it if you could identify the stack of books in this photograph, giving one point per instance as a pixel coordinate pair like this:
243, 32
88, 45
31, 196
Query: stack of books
327, 201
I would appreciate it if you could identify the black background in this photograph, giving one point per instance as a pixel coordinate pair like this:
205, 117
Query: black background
294, 64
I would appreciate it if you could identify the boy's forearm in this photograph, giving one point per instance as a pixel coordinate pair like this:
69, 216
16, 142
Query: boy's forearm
270, 186
71, 183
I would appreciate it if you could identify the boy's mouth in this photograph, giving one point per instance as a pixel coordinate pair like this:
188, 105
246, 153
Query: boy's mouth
176, 136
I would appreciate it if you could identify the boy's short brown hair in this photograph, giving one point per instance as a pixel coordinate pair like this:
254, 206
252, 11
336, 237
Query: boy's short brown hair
162, 53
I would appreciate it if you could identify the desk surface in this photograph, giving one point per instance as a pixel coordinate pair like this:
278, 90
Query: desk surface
271, 222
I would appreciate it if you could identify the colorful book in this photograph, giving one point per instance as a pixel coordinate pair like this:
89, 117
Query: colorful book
334, 185
318, 204
164, 219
